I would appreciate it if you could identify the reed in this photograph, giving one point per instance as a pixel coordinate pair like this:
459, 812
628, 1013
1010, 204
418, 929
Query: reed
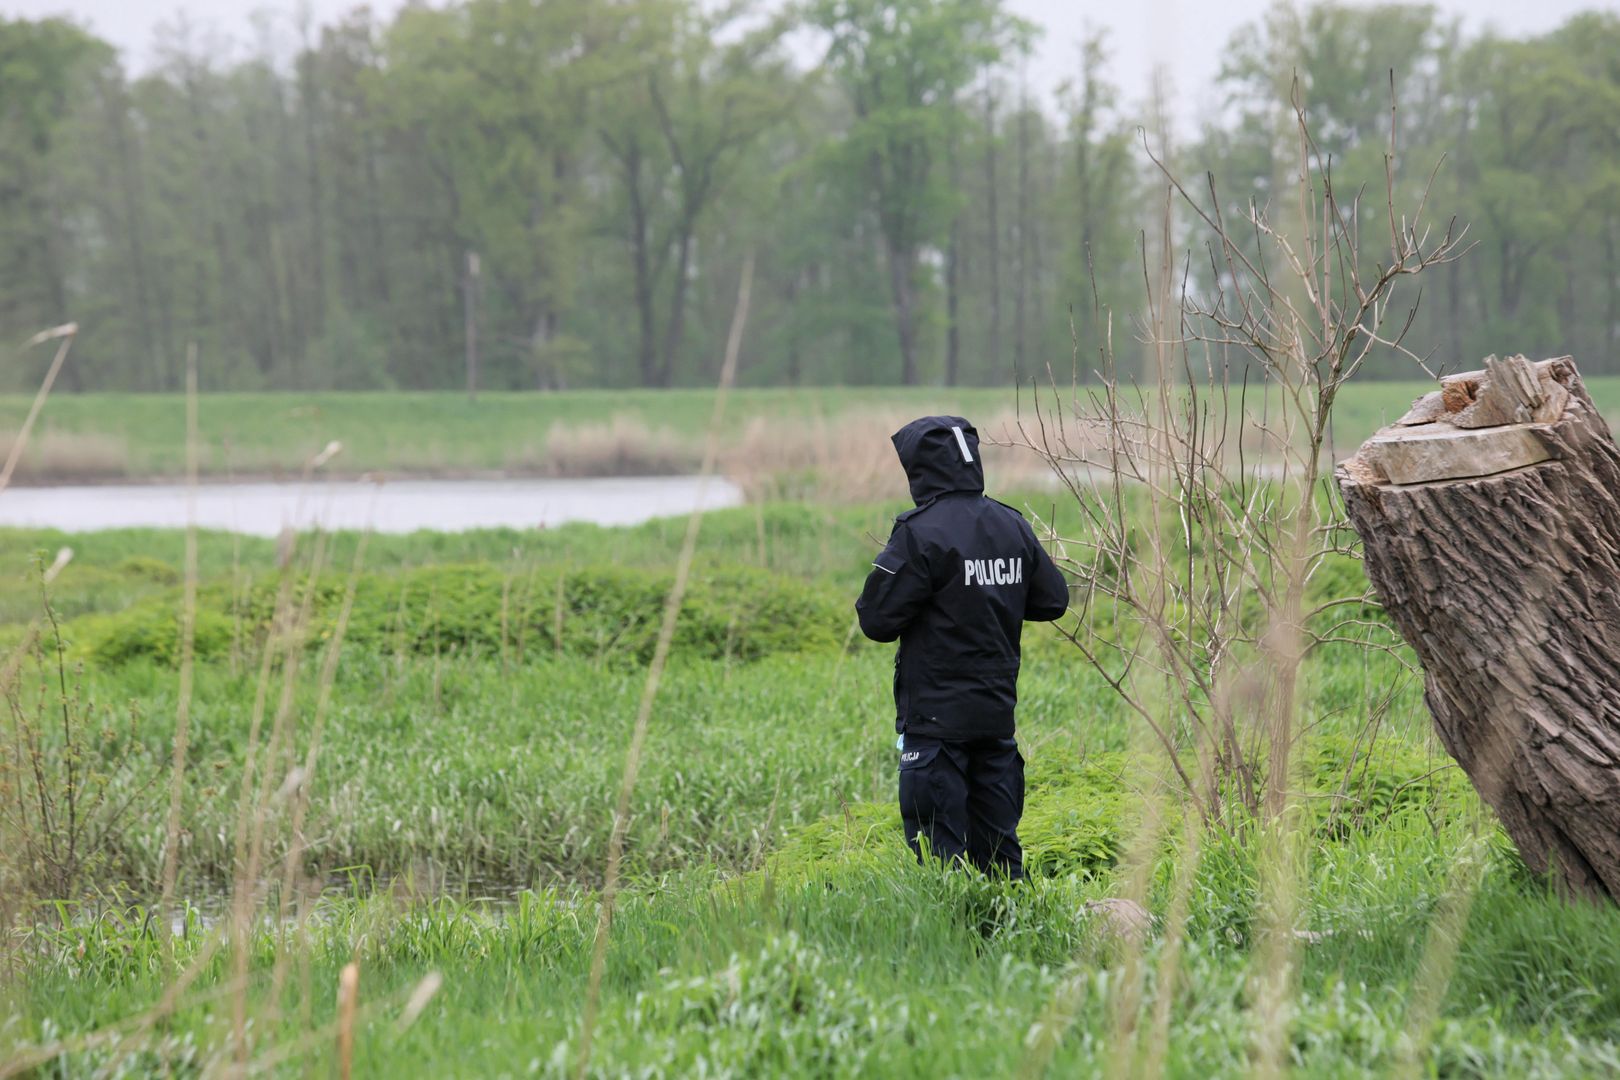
188, 629
655, 672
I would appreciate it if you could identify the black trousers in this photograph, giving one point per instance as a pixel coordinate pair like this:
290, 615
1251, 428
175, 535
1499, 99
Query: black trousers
965, 798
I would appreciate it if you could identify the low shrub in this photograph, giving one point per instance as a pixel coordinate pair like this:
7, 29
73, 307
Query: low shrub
600, 612
1358, 786
147, 630
1075, 822
147, 568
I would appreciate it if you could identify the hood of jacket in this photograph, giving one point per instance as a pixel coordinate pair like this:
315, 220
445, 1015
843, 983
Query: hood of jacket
940, 455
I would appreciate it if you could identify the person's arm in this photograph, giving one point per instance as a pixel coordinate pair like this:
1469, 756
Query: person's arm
1048, 596
897, 589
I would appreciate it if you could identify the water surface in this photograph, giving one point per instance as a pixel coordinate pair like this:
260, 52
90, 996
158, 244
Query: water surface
264, 509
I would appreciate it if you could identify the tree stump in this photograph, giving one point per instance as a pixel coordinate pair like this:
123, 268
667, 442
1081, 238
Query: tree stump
1490, 520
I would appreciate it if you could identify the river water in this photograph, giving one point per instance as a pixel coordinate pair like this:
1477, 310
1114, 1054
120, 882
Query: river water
265, 509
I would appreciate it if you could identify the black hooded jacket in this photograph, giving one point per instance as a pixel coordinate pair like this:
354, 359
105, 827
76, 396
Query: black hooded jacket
959, 577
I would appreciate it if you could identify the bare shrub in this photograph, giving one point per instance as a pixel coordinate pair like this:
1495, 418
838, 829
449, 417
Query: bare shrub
623, 446
840, 459
72, 773
71, 456
1209, 512
848, 459
1209, 508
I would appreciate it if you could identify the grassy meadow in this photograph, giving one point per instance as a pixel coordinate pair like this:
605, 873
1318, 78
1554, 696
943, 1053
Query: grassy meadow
451, 838
578, 433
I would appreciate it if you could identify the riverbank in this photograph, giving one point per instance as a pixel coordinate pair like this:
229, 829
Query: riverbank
99, 437
772, 441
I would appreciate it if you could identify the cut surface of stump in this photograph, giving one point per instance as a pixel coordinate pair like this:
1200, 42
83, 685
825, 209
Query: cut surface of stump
1490, 520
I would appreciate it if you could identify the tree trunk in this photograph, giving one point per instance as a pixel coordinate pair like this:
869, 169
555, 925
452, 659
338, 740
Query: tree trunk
641, 264
676, 325
1611, 310
310, 94
469, 300
116, 109
900, 290
1612, 284
382, 291
1021, 277
992, 231
953, 278
549, 373
1495, 547
795, 373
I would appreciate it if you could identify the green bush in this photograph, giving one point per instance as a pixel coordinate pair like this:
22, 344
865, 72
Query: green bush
600, 612
1074, 822
1074, 815
147, 630
147, 568
1360, 787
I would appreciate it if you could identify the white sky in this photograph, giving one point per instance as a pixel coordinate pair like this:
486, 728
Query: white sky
1183, 34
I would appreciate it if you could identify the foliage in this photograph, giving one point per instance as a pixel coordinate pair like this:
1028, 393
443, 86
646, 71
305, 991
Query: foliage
873, 967
775, 921
308, 219
72, 776
44, 66
597, 612
902, 67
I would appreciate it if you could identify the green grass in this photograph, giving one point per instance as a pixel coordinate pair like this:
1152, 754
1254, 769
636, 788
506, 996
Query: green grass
124, 435
112, 569
774, 923
428, 433
865, 964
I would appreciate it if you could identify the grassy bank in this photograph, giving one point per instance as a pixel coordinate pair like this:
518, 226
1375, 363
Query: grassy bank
577, 433
471, 747
580, 432
865, 965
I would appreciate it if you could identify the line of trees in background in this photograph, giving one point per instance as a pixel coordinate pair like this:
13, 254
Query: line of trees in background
572, 184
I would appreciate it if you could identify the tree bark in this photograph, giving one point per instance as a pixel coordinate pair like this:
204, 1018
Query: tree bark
116, 108
901, 264
1021, 276
1611, 311
630, 160
992, 230
469, 300
953, 268
675, 327
311, 106
1495, 548
795, 373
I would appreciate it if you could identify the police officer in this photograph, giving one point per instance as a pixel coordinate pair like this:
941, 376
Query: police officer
958, 579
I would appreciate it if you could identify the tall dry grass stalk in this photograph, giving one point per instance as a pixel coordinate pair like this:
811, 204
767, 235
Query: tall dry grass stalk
258, 804
14, 902
300, 779
348, 1001
1193, 554
264, 787
124, 1036
655, 672
283, 643
1439, 959
188, 630
64, 335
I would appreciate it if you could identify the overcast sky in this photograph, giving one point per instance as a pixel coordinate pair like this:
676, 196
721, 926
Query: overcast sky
1184, 34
